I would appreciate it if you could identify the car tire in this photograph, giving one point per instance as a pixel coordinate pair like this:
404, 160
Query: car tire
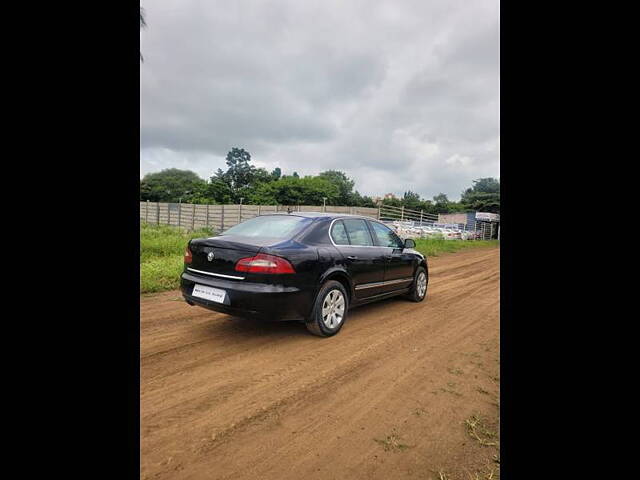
420, 282
329, 310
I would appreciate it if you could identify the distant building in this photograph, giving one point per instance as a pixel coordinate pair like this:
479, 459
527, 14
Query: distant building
387, 196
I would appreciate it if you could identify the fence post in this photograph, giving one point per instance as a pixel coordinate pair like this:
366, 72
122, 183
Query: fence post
193, 216
168, 213
158, 213
240, 213
379, 212
207, 218
259, 209
180, 214
146, 213
222, 219
420, 217
402, 214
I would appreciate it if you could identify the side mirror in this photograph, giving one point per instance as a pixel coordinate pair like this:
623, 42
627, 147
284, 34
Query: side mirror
409, 243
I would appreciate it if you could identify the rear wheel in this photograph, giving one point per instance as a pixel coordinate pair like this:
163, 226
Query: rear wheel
419, 289
330, 310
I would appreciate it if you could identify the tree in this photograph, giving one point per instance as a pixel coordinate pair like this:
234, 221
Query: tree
393, 202
276, 173
358, 200
218, 190
294, 191
483, 195
412, 200
344, 185
170, 185
260, 175
441, 203
240, 173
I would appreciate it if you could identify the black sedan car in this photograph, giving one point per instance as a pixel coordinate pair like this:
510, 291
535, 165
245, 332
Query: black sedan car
307, 266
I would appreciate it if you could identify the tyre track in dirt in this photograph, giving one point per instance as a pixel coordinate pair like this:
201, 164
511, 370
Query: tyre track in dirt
229, 398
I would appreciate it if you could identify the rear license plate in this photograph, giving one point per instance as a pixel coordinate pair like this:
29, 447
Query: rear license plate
209, 293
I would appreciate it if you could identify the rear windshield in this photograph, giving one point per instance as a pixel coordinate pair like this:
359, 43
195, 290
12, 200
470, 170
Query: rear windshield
270, 226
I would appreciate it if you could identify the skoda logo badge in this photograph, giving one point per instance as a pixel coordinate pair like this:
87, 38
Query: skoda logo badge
210, 256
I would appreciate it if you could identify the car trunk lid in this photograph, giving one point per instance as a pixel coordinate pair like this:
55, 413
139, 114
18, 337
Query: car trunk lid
219, 255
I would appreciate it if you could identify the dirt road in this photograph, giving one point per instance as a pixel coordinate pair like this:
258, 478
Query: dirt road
405, 390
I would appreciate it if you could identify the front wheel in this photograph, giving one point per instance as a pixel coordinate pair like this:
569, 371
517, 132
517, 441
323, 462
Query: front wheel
329, 311
419, 289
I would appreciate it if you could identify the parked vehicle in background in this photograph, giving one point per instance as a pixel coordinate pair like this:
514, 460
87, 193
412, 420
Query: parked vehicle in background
409, 229
306, 266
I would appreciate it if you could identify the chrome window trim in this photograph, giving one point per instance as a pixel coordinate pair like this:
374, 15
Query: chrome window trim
345, 230
382, 284
215, 274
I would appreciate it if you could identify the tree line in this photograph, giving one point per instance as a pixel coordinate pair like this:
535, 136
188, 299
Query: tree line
244, 182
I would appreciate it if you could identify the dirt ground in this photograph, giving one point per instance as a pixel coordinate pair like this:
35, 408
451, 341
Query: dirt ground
405, 390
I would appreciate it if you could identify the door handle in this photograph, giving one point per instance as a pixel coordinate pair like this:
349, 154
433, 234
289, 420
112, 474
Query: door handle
352, 257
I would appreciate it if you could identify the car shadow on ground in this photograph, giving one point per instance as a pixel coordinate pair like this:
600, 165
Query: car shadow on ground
248, 328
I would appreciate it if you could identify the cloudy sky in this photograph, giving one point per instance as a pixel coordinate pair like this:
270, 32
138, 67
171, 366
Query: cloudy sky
400, 94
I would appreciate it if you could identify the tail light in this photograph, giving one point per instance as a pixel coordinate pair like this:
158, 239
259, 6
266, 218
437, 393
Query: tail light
188, 258
263, 263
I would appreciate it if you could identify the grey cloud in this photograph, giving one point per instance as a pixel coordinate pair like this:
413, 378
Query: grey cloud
400, 95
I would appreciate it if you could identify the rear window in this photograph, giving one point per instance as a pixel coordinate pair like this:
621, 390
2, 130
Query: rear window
339, 234
270, 226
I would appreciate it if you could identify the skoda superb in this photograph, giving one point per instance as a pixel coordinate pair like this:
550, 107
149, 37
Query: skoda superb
311, 267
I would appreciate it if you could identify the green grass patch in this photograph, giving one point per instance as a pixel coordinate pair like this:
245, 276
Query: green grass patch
432, 247
161, 252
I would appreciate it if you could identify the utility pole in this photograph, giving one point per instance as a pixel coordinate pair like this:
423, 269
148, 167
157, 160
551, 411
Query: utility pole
324, 204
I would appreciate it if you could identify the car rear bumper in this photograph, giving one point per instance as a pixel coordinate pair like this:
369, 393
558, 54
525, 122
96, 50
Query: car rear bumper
254, 300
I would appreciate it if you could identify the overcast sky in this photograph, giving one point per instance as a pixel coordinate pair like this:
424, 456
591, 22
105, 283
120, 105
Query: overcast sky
400, 95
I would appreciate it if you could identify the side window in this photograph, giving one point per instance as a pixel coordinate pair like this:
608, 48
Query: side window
358, 232
385, 236
339, 234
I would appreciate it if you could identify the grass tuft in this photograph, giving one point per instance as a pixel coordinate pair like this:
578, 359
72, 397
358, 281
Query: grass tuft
392, 443
478, 430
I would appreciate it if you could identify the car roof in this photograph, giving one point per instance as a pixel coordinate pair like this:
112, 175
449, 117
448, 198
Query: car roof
320, 215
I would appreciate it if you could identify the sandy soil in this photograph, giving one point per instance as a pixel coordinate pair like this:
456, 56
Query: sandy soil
405, 390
